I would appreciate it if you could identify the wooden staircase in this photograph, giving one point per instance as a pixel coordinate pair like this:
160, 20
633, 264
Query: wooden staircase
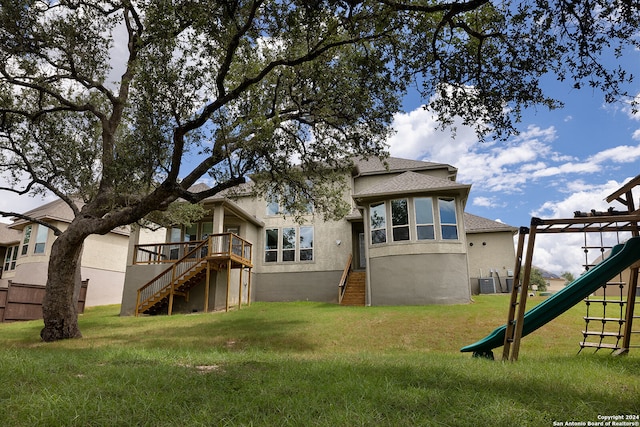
159, 301
218, 252
354, 293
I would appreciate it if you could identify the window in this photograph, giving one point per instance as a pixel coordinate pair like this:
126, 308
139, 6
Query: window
399, 220
288, 244
10, 258
206, 230
25, 241
306, 243
271, 245
41, 239
424, 218
175, 236
191, 233
448, 222
277, 203
378, 218
273, 207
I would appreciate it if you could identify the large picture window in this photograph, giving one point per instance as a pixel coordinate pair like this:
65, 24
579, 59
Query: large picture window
424, 218
448, 218
400, 220
378, 218
289, 244
41, 239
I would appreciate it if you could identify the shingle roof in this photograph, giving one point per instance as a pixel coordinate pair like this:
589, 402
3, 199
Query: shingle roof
374, 165
410, 182
478, 224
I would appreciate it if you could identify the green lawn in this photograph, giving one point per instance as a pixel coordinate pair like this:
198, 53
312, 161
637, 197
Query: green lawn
303, 364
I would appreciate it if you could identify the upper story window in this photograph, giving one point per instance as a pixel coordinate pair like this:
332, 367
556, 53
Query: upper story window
400, 220
378, 219
26, 239
41, 239
10, 258
276, 206
424, 218
448, 218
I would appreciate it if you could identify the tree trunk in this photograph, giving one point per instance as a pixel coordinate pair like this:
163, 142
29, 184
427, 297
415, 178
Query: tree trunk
60, 307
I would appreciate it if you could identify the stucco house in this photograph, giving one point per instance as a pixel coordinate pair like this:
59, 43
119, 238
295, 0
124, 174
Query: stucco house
25, 248
407, 241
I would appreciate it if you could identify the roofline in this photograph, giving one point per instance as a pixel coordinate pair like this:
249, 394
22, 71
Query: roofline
453, 171
458, 189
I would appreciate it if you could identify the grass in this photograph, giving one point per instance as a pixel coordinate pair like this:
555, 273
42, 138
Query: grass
304, 364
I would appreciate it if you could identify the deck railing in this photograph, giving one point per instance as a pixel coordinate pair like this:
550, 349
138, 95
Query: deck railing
342, 286
223, 244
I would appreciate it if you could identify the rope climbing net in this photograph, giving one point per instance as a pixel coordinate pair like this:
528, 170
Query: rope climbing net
605, 309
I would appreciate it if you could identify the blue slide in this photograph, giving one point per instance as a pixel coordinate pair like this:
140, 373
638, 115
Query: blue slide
621, 257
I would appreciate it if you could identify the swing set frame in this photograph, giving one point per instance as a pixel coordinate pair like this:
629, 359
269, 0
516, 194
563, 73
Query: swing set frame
592, 222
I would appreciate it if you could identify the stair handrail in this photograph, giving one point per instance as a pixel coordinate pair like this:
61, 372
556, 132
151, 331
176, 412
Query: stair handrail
166, 278
342, 285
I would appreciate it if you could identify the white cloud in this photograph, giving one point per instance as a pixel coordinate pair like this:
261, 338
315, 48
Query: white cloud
564, 252
499, 166
484, 201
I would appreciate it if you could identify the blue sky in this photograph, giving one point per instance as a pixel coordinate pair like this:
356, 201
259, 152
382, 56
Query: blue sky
564, 160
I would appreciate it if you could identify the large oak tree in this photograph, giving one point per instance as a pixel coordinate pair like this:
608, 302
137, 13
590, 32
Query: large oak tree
119, 106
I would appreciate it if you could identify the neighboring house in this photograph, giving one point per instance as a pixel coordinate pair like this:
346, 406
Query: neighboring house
555, 282
27, 246
9, 242
406, 241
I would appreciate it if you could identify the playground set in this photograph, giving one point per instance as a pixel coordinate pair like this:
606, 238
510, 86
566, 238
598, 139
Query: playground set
603, 328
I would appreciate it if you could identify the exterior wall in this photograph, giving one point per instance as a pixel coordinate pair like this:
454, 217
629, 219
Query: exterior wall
105, 286
488, 252
136, 276
320, 286
417, 279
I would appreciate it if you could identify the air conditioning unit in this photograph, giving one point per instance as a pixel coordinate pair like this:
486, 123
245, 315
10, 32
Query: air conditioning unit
487, 285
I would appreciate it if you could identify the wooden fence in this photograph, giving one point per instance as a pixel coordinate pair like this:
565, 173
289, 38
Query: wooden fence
24, 302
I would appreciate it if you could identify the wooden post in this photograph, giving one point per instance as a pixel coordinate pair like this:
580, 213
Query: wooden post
513, 303
524, 292
631, 302
207, 286
240, 288
173, 283
226, 308
249, 287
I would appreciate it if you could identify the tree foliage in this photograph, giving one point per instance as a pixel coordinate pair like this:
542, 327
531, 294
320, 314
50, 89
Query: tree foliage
537, 280
126, 104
